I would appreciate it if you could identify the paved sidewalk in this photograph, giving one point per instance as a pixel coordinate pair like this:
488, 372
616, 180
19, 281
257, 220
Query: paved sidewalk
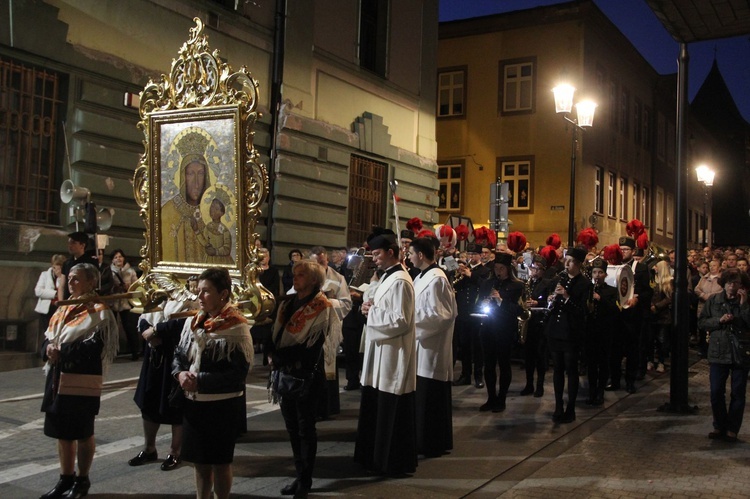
625, 449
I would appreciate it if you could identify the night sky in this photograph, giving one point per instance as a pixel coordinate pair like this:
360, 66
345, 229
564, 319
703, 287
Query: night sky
639, 24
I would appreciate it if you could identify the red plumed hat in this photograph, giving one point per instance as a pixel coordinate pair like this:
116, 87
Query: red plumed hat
426, 233
516, 242
549, 253
485, 237
462, 232
588, 238
446, 235
637, 231
414, 224
613, 254
554, 241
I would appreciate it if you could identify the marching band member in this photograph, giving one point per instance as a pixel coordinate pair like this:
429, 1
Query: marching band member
565, 329
536, 354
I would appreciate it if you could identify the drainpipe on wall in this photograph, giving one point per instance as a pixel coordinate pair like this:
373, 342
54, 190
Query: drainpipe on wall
277, 78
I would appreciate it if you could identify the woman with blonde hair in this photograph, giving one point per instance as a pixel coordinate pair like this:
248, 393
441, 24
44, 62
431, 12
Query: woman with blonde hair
46, 291
661, 320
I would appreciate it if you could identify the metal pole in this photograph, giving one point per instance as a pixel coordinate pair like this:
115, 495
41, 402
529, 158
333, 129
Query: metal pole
678, 393
705, 213
572, 203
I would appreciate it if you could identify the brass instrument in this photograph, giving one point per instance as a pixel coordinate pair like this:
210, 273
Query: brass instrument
100, 299
591, 303
525, 315
362, 267
458, 276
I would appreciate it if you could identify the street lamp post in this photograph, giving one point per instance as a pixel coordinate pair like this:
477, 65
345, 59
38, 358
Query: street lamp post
585, 111
706, 177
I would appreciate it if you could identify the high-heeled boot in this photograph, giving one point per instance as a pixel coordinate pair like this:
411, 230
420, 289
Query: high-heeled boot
80, 488
65, 483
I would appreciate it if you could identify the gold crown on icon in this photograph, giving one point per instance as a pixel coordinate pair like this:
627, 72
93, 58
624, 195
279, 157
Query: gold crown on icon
193, 143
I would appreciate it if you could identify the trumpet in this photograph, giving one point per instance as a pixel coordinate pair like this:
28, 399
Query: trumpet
101, 299
459, 276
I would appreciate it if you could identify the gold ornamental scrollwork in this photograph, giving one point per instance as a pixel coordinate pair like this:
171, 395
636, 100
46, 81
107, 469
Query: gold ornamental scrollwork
198, 123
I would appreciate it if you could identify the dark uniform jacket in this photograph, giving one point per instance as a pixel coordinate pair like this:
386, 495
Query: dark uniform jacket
467, 290
567, 321
603, 313
501, 319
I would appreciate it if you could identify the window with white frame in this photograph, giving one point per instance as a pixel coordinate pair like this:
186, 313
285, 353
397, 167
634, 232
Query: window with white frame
636, 201
623, 193
645, 207
449, 194
670, 215
518, 175
451, 93
599, 190
517, 86
659, 211
611, 194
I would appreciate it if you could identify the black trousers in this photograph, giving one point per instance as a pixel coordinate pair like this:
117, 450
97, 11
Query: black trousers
352, 357
299, 418
626, 344
535, 352
497, 346
565, 362
470, 354
598, 352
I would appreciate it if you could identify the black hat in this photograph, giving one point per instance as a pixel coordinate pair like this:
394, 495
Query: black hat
539, 261
381, 238
638, 252
407, 234
599, 263
577, 253
473, 248
79, 237
627, 241
503, 258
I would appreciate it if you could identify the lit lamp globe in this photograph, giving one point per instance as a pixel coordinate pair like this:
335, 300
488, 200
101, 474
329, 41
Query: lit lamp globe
563, 98
705, 175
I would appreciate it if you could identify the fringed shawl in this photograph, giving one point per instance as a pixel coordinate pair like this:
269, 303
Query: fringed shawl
221, 336
306, 325
81, 322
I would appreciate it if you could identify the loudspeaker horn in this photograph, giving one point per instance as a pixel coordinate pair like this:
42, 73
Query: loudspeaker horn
69, 192
104, 218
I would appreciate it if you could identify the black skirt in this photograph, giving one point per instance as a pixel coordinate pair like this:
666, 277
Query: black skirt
68, 426
210, 430
434, 417
386, 436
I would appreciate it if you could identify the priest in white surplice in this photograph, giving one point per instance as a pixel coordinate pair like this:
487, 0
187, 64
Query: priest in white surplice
435, 313
386, 435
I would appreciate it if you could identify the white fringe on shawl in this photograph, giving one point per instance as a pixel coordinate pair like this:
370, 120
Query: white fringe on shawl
221, 343
82, 322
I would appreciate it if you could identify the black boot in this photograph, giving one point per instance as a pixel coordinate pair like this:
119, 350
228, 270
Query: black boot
539, 388
62, 486
80, 488
528, 389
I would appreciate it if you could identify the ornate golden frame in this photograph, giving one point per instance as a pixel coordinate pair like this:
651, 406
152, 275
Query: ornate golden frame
201, 88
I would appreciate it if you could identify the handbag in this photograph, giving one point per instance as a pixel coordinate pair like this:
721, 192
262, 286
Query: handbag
85, 385
740, 347
292, 385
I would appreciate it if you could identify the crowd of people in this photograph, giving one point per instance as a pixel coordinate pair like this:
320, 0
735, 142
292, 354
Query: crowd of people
427, 308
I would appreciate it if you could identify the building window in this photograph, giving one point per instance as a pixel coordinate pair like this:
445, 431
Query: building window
623, 192
449, 199
625, 112
601, 82
647, 129
451, 93
611, 194
518, 175
30, 110
373, 35
636, 203
670, 215
645, 207
517, 88
661, 136
637, 122
599, 190
659, 211
367, 202
612, 105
